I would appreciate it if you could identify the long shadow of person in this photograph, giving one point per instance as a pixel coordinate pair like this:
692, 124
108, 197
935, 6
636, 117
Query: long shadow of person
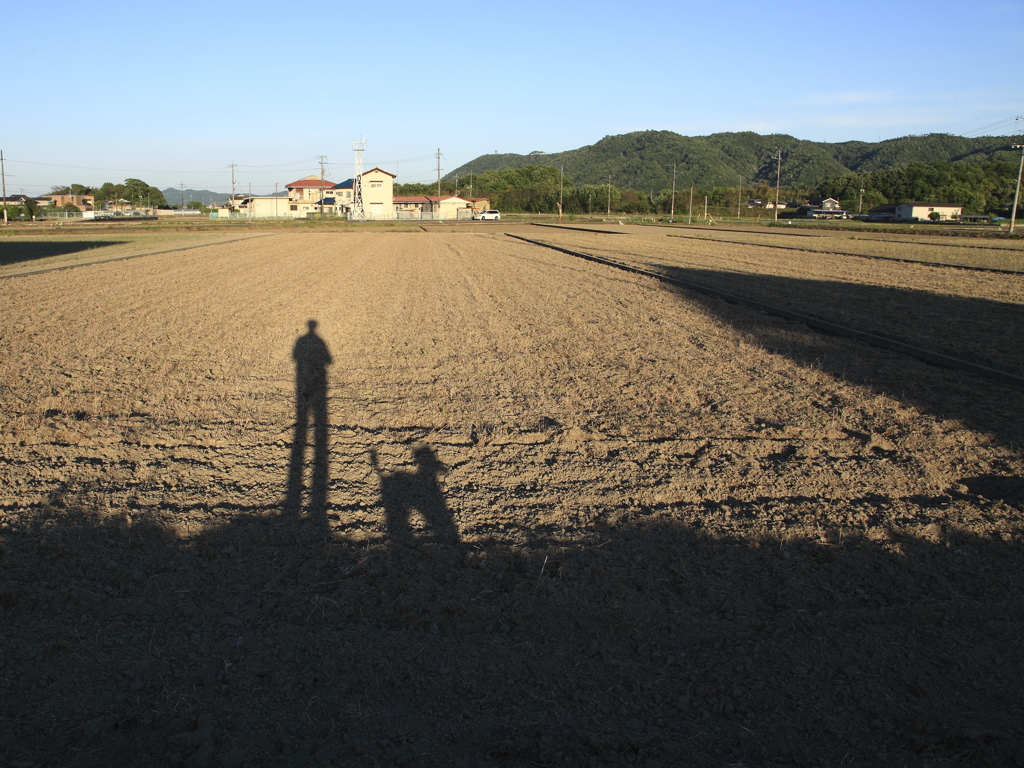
403, 492
311, 358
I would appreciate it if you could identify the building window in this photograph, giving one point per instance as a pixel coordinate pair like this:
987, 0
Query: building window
376, 185
293, 207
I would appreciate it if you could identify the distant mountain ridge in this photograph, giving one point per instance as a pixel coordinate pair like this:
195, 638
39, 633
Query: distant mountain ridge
643, 160
174, 196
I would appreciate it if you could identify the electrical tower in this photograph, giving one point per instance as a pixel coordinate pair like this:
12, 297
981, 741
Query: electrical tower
358, 210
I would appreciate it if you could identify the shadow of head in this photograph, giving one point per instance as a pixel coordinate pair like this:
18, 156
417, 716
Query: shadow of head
427, 462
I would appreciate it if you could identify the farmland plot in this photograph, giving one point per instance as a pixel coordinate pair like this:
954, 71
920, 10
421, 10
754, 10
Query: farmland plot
544, 512
989, 253
26, 253
977, 316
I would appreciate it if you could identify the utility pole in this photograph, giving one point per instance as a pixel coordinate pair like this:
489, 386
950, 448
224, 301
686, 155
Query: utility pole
860, 200
689, 211
456, 185
561, 177
322, 159
609, 196
3, 177
183, 196
739, 196
1016, 194
234, 181
778, 182
672, 211
438, 183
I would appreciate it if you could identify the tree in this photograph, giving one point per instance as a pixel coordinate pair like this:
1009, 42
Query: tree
72, 189
134, 191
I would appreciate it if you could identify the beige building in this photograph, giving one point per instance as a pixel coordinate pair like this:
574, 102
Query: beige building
924, 211
276, 207
82, 202
914, 211
378, 194
448, 207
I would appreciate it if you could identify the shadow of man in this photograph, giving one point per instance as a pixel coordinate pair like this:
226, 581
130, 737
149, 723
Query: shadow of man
311, 360
403, 492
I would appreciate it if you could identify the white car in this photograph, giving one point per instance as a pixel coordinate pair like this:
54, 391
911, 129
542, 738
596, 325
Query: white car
487, 216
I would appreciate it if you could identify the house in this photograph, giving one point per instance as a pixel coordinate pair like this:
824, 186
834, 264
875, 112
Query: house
378, 187
16, 200
824, 204
480, 204
754, 203
309, 189
275, 207
912, 211
431, 207
411, 206
885, 212
924, 211
812, 212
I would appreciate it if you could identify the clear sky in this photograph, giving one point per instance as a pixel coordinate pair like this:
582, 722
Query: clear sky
174, 94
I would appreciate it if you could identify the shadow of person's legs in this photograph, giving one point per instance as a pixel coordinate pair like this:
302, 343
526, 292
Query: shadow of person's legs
293, 496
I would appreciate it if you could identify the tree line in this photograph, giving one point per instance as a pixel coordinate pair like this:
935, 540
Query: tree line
981, 188
135, 192
540, 189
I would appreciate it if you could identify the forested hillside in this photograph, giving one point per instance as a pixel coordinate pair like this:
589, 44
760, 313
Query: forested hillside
644, 160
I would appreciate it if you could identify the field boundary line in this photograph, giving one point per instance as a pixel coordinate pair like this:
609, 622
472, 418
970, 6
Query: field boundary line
865, 256
126, 258
579, 229
815, 323
941, 245
729, 229
832, 233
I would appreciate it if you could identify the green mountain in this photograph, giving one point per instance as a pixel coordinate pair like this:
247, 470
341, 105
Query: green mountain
643, 160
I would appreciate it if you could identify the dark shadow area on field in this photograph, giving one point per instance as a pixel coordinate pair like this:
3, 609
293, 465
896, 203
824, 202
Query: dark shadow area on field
18, 251
312, 359
403, 494
979, 331
264, 642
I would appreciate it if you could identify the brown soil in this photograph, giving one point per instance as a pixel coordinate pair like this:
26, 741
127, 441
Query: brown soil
559, 515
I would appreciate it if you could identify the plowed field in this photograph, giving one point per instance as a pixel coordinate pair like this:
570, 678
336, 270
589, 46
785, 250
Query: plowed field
496, 505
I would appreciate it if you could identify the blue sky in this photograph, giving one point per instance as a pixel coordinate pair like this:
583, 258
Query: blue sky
175, 94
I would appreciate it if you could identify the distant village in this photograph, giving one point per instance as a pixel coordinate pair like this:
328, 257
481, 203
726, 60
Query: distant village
830, 208
372, 198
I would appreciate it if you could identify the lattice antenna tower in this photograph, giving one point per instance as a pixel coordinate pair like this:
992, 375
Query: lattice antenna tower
358, 208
